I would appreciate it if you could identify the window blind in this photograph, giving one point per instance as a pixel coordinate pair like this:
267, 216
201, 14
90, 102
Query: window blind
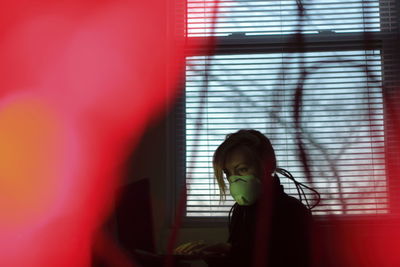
342, 120
281, 17
342, 110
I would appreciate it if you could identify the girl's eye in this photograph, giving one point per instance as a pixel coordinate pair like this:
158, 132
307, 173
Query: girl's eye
243, 169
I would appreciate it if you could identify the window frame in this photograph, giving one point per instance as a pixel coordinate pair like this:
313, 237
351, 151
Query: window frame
242, 44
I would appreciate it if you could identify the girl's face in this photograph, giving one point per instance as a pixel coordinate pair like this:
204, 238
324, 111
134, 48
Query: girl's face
241, 161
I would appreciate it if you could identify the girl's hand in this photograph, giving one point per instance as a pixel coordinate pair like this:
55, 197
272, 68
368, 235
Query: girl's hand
190, 247
201, 248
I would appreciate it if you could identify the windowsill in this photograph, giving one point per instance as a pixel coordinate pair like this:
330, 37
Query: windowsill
322, 220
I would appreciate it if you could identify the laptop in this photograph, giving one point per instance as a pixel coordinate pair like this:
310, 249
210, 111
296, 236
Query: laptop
134, 226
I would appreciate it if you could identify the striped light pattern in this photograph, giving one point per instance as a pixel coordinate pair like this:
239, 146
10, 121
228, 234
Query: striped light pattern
342, 124
270, 17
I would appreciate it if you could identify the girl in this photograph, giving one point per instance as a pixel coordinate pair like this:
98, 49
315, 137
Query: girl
266, 226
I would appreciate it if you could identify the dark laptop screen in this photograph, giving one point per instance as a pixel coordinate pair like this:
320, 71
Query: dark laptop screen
134, 217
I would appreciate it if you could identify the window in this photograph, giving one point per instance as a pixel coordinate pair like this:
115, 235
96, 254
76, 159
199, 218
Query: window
250, 82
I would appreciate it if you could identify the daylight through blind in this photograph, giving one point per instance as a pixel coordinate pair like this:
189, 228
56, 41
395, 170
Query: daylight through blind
281, 17
251, 82
342, 120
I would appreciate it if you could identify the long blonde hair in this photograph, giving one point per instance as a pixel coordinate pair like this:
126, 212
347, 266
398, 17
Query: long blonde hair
254, 140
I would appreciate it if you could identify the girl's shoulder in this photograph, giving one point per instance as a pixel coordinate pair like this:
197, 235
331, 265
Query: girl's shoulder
293, 205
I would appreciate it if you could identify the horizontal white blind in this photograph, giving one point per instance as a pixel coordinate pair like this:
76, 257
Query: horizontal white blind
342, 119
252, 17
